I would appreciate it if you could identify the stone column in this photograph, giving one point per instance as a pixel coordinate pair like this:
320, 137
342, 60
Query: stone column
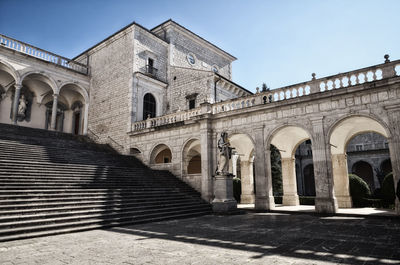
341, 180
246, 172
325, 201
207, 167
54, 113
264, 198
290, 196
86, 119
394, 146
16, 103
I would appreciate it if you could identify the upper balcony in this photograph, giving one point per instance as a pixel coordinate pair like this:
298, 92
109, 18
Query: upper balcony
317, 85
33, 51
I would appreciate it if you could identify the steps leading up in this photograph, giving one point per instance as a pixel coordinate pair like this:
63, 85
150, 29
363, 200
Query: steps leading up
53, 183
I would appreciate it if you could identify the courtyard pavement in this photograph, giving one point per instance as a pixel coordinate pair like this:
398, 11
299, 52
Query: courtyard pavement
251, 238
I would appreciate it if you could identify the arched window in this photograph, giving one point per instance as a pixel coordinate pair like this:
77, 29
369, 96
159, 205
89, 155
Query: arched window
149, 106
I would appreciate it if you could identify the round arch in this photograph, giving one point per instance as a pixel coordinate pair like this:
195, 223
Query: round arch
346, 128
75, 87
287, 138
191, 157
160, 154
339, 135
42, 76
8, 68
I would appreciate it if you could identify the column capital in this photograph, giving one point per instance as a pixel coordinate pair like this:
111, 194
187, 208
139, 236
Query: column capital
55, 95
317, 120
18, 86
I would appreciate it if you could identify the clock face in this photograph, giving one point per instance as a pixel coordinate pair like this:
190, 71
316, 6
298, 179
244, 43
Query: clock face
191, 59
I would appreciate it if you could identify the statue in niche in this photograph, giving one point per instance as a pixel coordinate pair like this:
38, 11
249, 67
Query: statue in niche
225, 154
22, 106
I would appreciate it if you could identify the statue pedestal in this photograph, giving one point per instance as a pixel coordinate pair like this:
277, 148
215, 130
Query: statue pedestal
223, 192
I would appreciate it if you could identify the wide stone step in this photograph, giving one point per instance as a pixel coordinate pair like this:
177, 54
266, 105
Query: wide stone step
98, 217
101, 198
95, 203
105, 206
55, 229
22, 220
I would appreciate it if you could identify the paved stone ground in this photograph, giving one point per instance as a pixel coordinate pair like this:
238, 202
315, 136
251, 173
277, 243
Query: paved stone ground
253, 238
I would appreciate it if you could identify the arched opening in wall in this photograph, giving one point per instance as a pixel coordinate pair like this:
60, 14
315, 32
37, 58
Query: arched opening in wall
161, 154
293, 145
242, 167
305, 173
37, 90
358, 145
191, 163
7, 82
136, 153
76, 97
149, 106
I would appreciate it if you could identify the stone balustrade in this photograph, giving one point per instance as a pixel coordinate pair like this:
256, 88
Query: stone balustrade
166, 119
320, 85
42, 54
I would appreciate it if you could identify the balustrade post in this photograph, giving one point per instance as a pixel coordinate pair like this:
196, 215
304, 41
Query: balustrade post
314, 86
17, 94
325, 201
54, 112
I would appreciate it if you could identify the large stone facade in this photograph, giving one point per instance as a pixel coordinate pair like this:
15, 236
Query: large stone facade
166, 94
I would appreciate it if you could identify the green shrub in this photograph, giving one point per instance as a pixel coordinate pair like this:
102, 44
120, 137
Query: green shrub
387, 190
359, 190
237, 189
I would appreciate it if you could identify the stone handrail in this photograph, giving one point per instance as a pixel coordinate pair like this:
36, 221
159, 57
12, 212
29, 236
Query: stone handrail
166, 119
320, 85
42, 54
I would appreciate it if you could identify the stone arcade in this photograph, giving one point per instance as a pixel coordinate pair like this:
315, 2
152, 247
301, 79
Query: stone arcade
166, 94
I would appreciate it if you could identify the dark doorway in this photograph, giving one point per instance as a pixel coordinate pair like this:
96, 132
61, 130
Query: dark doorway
77, 119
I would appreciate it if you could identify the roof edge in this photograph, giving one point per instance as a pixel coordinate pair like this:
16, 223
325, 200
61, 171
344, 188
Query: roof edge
191, 32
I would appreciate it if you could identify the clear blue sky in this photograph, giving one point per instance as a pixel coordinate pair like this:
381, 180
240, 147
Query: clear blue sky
277, 42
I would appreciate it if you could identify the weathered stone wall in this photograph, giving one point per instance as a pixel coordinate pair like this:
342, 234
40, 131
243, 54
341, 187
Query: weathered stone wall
205, 57
111, 79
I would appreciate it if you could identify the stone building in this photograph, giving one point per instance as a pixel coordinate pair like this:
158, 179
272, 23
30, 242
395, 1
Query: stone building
166, 94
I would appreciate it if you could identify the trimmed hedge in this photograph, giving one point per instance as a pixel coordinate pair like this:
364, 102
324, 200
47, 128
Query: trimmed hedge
387, 190
359, 190
237, 189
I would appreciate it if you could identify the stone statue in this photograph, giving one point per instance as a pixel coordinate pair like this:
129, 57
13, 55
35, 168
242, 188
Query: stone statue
225, 154
22, 106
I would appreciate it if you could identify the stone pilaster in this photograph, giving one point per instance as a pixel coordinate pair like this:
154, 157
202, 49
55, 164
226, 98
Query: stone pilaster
16, 103
341, 180
86, 119
263, 177
325, 201
246, 172
206, 141
394, 146
54, 112
290, 196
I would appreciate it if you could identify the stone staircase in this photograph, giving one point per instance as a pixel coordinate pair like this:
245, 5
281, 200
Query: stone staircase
52, 183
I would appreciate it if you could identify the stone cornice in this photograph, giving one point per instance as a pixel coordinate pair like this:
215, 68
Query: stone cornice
170, 24
150, 79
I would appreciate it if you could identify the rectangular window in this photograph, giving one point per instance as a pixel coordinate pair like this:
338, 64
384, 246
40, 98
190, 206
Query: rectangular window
192, 104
